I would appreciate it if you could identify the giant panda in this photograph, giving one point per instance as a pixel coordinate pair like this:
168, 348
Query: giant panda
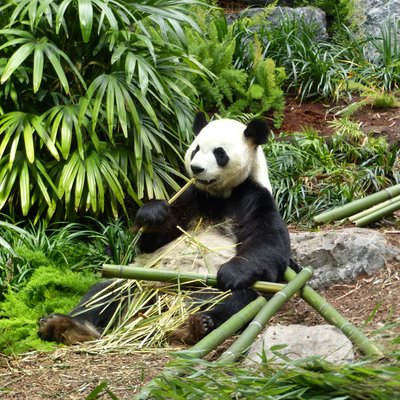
233, 194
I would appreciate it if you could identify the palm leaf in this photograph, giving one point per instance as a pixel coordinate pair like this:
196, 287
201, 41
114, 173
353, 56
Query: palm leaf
85, 10
24, 188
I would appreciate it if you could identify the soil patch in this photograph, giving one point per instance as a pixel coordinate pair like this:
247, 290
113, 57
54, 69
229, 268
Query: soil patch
381, 122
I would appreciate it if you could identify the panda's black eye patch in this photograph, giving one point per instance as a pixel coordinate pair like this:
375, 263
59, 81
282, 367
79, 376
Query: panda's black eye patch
194, 152
221, 157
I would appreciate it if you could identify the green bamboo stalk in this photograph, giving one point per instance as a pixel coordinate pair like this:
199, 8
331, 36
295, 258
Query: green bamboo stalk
331, 315
265, 314
165, 275
211, 341
377, 207
357, 205
375, 215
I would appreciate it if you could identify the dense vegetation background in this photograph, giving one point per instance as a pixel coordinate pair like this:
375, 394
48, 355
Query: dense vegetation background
96, 104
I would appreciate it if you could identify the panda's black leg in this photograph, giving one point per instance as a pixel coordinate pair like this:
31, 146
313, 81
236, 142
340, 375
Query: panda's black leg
201, 324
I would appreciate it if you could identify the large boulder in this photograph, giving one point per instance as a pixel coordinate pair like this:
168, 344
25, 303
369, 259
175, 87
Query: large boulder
341, 255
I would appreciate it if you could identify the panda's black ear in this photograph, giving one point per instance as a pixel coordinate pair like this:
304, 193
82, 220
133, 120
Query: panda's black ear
200, 121
257, 131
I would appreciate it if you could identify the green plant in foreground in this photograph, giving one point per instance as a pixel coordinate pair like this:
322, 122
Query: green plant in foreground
311, 379
93, 104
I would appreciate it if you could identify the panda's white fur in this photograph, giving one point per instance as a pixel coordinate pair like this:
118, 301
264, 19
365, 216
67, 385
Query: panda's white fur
245, 158
202, 250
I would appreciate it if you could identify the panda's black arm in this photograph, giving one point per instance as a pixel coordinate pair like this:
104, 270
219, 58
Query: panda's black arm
161, 220
263, 250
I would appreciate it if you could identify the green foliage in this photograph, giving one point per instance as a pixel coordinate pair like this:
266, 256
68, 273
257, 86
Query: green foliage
313, 68
93, 104
45, 270
50, 289
74, 246
310, 175
305, 379
243, 80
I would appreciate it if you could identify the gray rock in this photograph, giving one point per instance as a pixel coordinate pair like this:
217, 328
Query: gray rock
341, 255
373, 15
301, 342
311, 15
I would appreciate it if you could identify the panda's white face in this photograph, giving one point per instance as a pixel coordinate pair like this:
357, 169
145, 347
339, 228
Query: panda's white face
221, 158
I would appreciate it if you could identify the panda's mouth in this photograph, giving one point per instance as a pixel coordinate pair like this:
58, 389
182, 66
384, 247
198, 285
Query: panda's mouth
205, 182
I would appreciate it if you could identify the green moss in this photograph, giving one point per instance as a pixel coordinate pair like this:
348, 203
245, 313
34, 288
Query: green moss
50, 289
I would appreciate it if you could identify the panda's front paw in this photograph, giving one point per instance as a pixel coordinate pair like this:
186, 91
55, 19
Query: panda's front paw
152, 215
236, 274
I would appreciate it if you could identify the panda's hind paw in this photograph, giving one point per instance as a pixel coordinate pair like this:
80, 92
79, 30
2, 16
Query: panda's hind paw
193, 330
65, 329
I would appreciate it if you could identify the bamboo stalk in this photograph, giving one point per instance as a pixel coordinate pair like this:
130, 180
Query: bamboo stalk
226, 330
377, 214
371, 210
357, 205
165, 275
264, 315
332, 316
204, 346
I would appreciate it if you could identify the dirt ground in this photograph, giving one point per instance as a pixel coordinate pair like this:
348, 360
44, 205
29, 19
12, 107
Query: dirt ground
369, 302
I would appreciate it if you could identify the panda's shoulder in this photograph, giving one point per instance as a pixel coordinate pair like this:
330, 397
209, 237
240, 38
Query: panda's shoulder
252, 189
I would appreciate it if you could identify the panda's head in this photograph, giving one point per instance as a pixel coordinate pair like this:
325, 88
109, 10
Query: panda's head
225, 153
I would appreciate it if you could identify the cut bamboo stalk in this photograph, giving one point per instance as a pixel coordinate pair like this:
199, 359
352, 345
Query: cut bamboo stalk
211, 341
357, 205
371, 210
225, 331
165, 275
241, 345
378, 214
332, 316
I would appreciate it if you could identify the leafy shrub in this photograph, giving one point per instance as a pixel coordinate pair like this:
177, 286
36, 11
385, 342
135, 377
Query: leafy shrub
243, 80
310, 175
93, 104
74, 246
313, 68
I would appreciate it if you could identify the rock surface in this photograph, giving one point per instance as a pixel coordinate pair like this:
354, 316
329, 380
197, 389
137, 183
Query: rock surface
341, 255
300, 342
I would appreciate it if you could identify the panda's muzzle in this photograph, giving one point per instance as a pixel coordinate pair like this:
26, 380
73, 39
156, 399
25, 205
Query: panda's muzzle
205, 182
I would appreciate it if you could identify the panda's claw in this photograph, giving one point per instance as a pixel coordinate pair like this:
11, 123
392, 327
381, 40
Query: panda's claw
194, 329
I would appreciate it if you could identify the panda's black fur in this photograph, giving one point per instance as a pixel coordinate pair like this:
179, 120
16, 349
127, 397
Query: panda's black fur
262, 239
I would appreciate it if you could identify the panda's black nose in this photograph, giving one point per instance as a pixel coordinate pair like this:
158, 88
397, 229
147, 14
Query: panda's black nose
196, 170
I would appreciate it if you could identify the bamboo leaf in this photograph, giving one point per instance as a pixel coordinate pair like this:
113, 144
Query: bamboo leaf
66, 133
91, 181
7, 185
38, 61
36, 122
28, 140
24, 188
13, 150
85, 10
52, 55
16, 60
79, 185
